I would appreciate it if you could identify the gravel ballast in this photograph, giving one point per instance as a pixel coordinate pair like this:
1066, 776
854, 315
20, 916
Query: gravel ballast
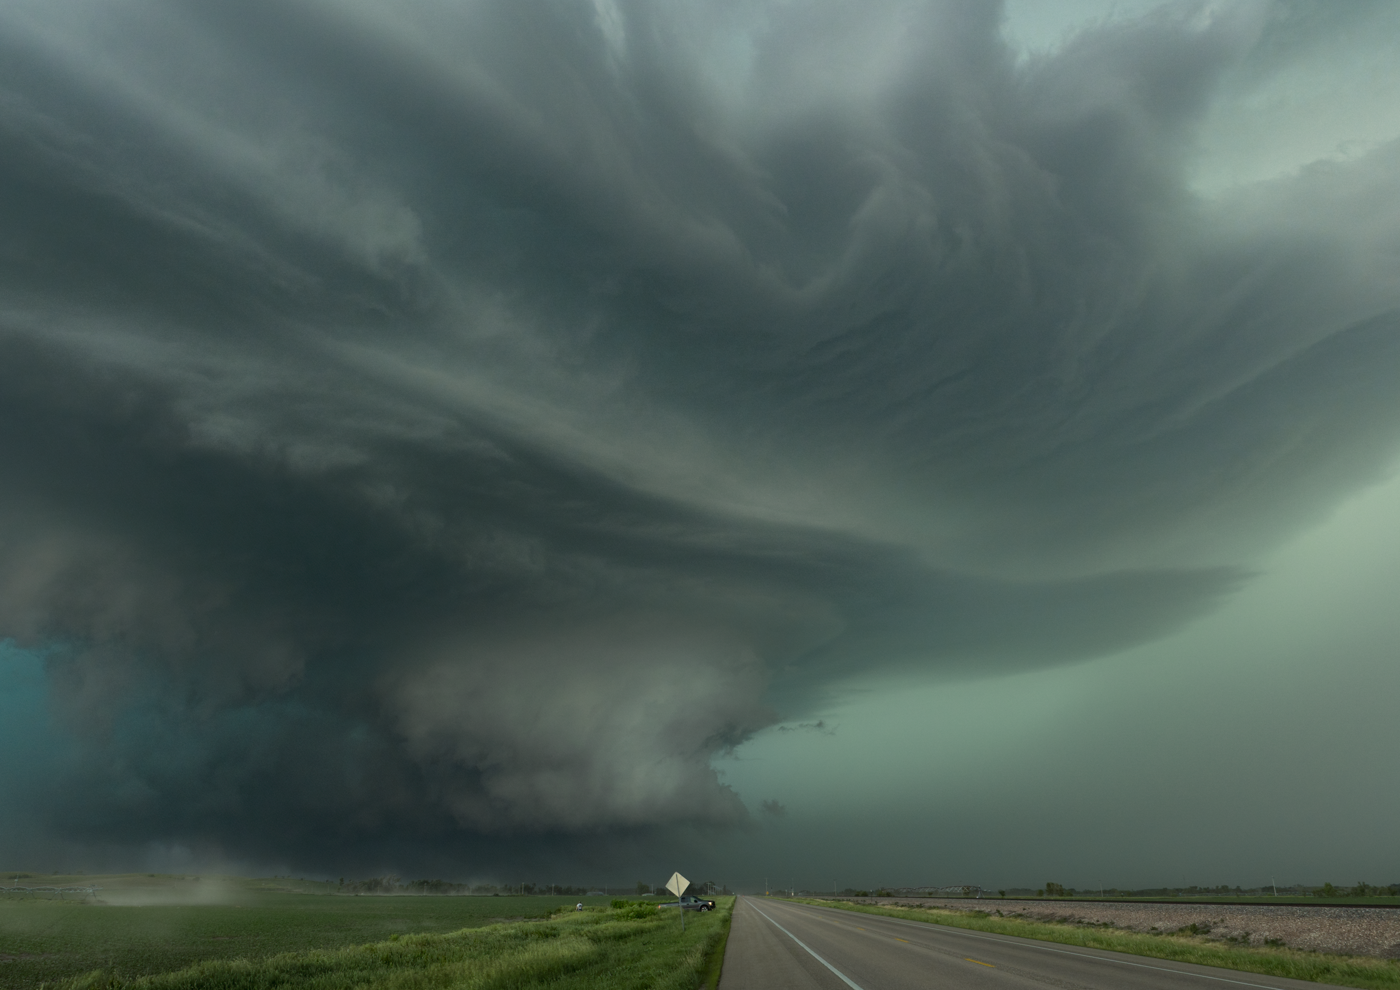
1365, 931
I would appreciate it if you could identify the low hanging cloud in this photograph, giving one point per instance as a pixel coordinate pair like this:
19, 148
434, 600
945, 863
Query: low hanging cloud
472, 420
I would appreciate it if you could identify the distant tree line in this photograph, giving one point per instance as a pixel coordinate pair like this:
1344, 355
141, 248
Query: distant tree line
703, 887
396, 885
1362, 889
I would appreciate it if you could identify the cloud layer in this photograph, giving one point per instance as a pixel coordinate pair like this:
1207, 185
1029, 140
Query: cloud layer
469, 421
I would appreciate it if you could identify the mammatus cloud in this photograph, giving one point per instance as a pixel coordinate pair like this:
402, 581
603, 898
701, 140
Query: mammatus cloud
472, 420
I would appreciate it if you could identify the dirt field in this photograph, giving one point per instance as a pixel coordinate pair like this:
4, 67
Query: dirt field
1355, 930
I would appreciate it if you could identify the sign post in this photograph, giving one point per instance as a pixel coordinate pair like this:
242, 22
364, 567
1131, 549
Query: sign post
677, 885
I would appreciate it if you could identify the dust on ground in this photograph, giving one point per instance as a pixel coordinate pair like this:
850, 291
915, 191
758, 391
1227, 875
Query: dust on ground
128, 889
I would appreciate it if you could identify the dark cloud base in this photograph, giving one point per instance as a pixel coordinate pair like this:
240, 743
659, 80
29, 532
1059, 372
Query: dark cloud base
435, 440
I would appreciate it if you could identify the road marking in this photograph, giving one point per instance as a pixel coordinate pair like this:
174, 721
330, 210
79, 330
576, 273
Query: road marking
977, 961
844, 978
898, 939
1031, 944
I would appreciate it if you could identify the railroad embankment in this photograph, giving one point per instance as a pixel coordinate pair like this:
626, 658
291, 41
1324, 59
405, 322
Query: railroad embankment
1369, 931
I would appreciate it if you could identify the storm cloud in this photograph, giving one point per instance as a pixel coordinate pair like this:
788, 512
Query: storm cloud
469, 419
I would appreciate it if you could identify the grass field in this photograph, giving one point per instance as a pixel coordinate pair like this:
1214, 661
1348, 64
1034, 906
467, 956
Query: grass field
633, 948
161, 924
1348, 971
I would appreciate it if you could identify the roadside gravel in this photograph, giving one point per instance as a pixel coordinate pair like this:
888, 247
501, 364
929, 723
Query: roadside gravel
1354, 931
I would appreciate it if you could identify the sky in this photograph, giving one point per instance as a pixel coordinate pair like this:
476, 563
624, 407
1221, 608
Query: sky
790, 441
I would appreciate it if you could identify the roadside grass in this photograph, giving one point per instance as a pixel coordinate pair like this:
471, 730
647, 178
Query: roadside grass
715, 964
630, 947
1366, 972
51, 940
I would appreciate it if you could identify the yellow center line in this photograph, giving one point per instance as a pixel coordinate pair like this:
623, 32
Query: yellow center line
898, 939
979, 962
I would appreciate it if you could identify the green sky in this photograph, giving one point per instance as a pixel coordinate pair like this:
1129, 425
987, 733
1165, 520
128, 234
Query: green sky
1256, 745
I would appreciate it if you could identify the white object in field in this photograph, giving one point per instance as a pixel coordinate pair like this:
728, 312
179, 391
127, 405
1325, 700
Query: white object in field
677, 884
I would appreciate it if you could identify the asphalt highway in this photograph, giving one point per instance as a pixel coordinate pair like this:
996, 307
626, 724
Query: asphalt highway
778, 945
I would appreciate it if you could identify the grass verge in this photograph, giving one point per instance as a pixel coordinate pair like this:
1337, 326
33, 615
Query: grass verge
1365, 972
724, 907
628, 948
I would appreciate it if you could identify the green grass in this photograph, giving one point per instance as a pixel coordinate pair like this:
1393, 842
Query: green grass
1348, 971
51, 940
628, 949
715, 964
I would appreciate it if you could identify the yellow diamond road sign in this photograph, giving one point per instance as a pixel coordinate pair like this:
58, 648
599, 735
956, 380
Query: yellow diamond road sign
677, 884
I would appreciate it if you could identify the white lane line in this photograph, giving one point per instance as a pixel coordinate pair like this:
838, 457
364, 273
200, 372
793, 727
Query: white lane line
844, 978
948, 930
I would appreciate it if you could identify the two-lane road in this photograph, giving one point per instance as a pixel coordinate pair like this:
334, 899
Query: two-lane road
778, 945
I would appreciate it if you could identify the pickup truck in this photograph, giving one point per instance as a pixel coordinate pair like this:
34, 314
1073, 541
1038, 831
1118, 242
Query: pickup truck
689, 902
